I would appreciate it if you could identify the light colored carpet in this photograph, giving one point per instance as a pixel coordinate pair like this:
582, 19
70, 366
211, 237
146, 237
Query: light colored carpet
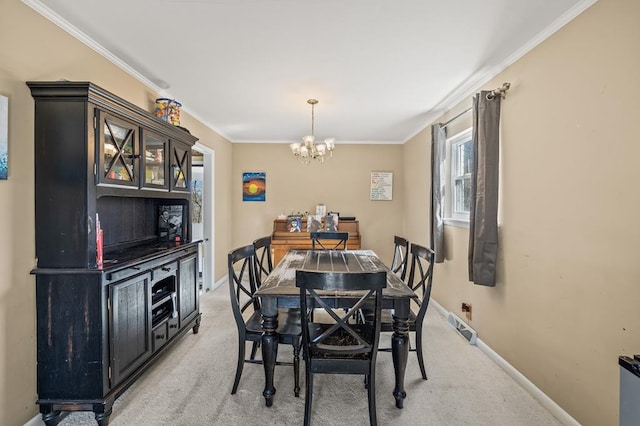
191, 385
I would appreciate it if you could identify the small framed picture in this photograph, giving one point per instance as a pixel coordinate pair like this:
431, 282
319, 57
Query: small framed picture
294, 223
331, 222
170, 223
314, 223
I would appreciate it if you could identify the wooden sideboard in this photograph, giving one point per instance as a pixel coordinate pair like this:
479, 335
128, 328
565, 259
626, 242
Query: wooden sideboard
99, 327
283, 241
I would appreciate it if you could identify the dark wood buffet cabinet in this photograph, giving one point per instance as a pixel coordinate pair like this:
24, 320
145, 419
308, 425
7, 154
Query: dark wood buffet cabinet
100, 326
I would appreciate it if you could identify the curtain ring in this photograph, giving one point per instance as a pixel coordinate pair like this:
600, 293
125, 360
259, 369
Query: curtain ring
491, 95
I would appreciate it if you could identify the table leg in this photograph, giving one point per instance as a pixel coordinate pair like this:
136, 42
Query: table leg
400, 353
269, 350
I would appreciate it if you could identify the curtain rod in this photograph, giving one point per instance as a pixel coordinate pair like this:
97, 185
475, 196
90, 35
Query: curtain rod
457, 116
500, 91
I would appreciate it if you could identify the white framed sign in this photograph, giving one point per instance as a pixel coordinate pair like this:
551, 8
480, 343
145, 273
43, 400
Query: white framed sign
381, 186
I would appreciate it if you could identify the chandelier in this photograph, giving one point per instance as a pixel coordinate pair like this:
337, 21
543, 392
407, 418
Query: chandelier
309, 149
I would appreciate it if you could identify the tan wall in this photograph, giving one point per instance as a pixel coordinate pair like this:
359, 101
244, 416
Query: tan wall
565, 305
341, 183
33, 48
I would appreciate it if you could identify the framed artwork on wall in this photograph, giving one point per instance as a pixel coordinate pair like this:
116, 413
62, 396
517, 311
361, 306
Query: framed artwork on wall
381, 186
196, 200
4, 136
254, 186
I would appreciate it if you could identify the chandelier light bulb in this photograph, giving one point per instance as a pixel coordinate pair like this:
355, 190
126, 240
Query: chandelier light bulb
295, 148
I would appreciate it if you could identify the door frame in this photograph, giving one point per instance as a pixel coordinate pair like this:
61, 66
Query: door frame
207, 248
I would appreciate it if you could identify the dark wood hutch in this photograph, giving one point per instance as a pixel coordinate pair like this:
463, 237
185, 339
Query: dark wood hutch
282, 240
100, 327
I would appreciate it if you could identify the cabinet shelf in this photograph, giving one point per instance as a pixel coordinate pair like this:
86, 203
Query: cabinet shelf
158, 300
160, 317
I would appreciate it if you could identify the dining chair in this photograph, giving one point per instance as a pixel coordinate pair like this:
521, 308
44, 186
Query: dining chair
329, 240
400, 256
247, 313
338, 345
264, 262
420, 281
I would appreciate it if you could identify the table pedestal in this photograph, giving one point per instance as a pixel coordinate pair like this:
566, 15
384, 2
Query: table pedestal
269, 353
400, 352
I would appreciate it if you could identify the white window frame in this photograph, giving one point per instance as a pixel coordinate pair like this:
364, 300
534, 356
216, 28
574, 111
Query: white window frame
452, 217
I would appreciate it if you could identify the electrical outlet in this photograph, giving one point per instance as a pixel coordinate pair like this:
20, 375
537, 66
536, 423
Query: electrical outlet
466, 308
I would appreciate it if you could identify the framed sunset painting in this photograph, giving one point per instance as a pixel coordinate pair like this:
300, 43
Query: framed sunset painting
253, 186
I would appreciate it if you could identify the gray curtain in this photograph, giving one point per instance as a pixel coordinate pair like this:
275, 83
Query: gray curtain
438, 142
483, 225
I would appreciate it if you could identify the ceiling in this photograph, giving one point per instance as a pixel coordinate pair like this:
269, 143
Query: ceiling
381, 69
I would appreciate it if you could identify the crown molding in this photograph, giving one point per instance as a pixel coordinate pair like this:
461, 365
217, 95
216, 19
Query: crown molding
477, 80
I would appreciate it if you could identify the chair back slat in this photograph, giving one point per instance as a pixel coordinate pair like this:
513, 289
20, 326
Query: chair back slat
242, 282
341, 336
329, 240
421, 276
400, 256
263, 259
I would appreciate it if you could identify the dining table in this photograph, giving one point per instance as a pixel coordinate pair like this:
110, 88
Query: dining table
279, 291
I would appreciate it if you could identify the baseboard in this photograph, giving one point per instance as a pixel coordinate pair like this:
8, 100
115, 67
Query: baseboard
219, 282
533, 390
35, 421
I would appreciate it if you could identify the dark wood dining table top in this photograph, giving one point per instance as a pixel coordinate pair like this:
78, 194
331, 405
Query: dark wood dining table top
281, 282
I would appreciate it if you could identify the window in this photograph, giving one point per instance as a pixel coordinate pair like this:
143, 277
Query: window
458, 188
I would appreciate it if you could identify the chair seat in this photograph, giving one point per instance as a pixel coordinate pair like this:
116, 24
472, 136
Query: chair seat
341, 344
289, 325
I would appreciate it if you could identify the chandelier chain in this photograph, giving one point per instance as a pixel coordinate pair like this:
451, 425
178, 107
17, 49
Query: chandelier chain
313, 107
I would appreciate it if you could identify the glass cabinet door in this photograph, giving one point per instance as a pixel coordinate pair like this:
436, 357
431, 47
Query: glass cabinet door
118, 154
154, 161
180, 167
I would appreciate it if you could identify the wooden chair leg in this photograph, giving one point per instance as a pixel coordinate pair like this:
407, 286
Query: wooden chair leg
419, 352
296, 369
371, 391
254, 350
308, 396
241, 355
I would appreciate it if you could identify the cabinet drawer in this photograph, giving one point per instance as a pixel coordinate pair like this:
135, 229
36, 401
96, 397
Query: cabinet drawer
174, 326
125, 273
159, 336
155, 265
164, 271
